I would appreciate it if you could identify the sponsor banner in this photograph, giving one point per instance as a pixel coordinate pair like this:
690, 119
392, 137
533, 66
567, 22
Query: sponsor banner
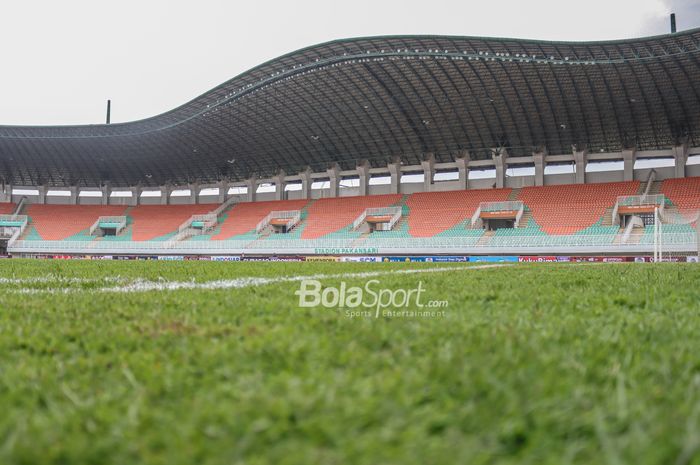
494, 258
404, 259
642, 259
446, 259
171, 258
563, 259
226, 258
101, 257
321, 258
541, 259
358, 259
692, 259
61, 257
601, 259
272, 259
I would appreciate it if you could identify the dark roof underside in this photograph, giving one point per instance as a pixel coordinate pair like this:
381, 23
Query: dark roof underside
379, 98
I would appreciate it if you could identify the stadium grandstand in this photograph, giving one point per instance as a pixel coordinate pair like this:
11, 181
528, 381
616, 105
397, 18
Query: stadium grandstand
384, 145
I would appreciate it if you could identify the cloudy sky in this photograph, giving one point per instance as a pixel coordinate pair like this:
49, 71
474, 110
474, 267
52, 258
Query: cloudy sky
61, 60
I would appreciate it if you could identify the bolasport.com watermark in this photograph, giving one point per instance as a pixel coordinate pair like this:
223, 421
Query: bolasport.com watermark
371, 300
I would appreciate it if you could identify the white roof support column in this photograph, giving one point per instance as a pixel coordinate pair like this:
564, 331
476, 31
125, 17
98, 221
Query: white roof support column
135, 196
252, 185
428, 165
194, 193
73, 195
540, 160
305, 177
581, 161
42, 194
462, 161
680, 155
280, 184
628, 158
363, 175
165, 194
395, 174
6, 193
499, 159
334, 179
223, 192
106, 190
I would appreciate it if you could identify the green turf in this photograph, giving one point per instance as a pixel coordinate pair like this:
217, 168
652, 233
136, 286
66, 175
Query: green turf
533, 364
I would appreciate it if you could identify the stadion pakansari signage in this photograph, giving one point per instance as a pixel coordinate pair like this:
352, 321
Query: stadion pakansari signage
346, 251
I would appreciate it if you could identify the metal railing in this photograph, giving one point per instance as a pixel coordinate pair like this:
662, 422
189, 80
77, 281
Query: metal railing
508, 205
119, 220
592, 243
393, 212
293, 215
209, 220
641, 200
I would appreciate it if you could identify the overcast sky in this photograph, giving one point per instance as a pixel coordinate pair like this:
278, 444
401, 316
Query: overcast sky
61, 60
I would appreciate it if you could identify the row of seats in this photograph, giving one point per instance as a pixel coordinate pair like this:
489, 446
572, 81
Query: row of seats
568, 209
7, 208
555, 210
684, 193
432, 213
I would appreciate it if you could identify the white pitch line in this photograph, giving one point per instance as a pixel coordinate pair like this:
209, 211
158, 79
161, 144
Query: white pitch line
141, 285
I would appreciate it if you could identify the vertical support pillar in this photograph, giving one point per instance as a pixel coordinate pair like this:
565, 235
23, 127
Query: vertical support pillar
581, 161
628, 158
363, 175
223, 192
135, 196
280, 185
540, 160
252, 186
395, 174
165, 195
680, 156
499, 160
106, 192
428, 165
6, 194
73, 195
334, 179
194, 193
42, 194
305, 177
462, 161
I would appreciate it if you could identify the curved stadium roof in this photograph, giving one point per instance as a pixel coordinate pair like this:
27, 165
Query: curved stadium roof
382, 97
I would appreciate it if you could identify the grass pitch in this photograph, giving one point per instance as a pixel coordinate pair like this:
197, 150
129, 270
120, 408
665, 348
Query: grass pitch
531, 364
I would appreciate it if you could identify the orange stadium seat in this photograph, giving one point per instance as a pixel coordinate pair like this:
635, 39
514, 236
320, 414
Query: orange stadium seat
58, 222
434, 212
244, 217
684, 193
7, 208
326, 216
567, 209
152, 221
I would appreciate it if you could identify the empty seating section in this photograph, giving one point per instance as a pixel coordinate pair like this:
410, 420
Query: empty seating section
59, 222
432, 213
569, 209
555, 216
155, 221
7, 208
243, 217
684, 193
326, 216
